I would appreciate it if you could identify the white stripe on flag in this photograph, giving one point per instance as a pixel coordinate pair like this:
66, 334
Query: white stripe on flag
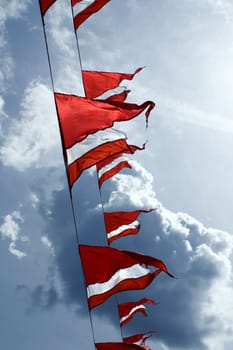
91, 142
81, 6
110, 166
134, 309
133, 272
122, 228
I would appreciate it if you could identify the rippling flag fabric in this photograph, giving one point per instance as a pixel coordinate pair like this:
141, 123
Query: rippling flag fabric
44, 5
91, 6
120, 346
112, 165
84, 138
129, 309
120, 224
108, 271
139, 338
98, 82
79, 116
93, 149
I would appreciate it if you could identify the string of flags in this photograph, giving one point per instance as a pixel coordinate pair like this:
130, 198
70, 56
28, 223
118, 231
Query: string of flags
89, 139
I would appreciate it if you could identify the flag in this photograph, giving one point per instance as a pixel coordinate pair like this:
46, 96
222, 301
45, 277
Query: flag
139, 338
93, 149
92, 7
79, 116
115, 164
120, 97
112, 165
97, 82
129, 309
120, 224
44, 5
108, 271
120, 346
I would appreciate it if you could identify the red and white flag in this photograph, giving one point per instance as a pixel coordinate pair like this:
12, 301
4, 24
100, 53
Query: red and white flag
97, 82
119, 224
120, 346
79, 116
108, 271
83, 9
118, 97
85, 130
129, 309
115, 164
112, 165
44, 5
139, 338
93, 149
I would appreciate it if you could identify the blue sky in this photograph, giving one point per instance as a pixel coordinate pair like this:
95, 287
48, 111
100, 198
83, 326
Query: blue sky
185, 172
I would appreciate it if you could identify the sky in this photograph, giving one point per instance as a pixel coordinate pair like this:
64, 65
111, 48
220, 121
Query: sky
185, 172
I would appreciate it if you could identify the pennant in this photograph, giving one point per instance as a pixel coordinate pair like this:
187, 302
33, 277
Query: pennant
120, 224
95, 148
120, 346
96, 82
44, 5
108, 271
79, 116
121, 97
129, 309
112, 165
92, 7
115, 165
139, 338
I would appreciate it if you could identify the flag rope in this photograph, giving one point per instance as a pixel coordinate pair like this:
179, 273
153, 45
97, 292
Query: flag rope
65, 161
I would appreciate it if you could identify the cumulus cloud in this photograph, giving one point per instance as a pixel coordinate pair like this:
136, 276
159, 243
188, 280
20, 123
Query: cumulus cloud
195, 309
133, 190
33, 140
10, 229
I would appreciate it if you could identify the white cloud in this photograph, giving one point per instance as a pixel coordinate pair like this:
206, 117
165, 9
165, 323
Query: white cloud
200, 257
8, 10
34, 199
222, 7
63, 49
33, 140
133, 190
47, 243
10, 229
190, 114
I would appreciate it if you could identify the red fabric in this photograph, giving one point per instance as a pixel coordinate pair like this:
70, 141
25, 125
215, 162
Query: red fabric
101, 263
96, 83
44, 5
96, 155
121, 97
113, 171
80, 117
83, 15
116, 219
140, 337
150, 261
120, 346
126, 309
74, 2
127, 284
110, 173
109, 160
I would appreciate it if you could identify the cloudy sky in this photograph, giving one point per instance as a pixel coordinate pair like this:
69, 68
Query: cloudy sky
185, 172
